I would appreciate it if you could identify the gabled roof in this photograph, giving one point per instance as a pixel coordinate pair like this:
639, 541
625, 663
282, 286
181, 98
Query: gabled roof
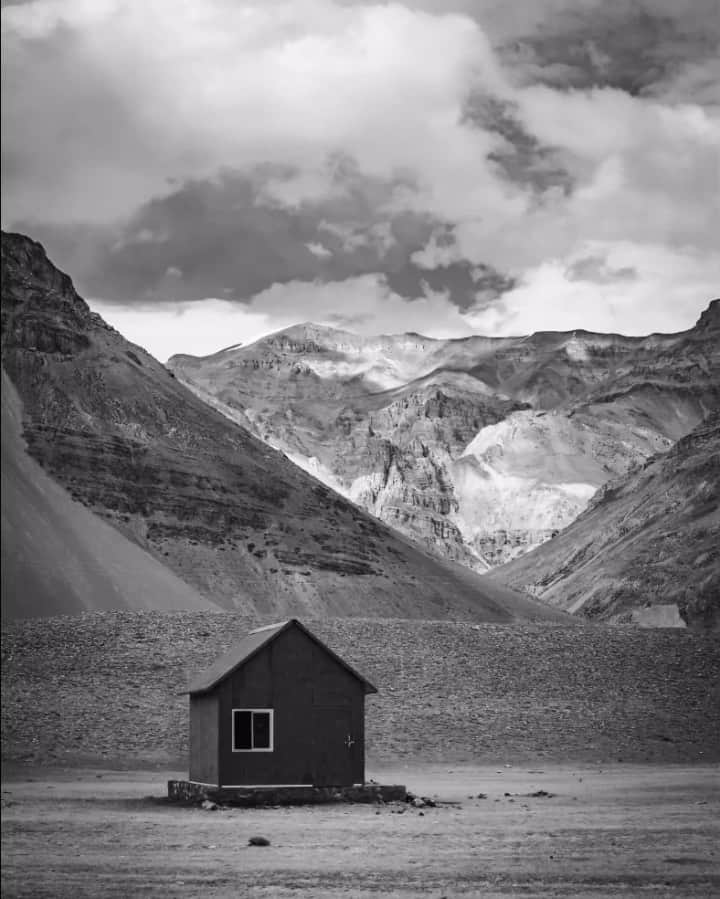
249, 646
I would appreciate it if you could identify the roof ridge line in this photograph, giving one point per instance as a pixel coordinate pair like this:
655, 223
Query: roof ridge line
238, 655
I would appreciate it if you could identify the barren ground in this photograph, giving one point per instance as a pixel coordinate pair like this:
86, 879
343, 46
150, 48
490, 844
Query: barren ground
615, 830
107, 689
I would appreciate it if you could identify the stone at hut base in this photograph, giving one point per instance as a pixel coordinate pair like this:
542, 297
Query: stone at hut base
189, 792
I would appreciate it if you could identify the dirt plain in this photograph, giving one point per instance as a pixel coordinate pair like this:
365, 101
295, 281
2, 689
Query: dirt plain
617, 830
620, 725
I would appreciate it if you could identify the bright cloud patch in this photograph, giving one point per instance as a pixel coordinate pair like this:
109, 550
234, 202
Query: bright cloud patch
654, 289
365, 305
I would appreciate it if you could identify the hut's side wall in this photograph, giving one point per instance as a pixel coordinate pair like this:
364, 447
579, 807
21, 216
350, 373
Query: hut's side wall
318, 714
204, 739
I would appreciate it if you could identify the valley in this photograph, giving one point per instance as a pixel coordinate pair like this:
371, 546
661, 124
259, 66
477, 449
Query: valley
316, 471
200, 497
480, 449
647, 540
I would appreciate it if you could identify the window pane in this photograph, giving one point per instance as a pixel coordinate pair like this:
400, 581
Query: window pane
242, 737
261, 730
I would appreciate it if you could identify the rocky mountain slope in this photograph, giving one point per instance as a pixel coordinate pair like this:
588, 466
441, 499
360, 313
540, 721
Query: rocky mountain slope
57, 556
235, 520
478, 448
648, 542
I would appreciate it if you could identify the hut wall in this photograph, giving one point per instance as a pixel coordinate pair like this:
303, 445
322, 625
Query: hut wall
318, 717
204, 762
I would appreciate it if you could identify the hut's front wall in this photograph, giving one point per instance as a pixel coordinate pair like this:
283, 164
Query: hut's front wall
318, 717
204, 762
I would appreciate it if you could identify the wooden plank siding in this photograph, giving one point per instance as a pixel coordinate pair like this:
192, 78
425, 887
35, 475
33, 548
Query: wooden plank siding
204, 760
317, 703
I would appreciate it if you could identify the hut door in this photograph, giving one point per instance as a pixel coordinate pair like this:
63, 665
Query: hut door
336, 747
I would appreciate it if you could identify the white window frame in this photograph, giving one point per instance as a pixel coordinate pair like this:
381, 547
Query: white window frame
270, 712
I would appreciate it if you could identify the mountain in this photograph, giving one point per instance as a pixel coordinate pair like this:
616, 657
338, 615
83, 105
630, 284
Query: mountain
478, 448
192, 492
647, 547
58, 557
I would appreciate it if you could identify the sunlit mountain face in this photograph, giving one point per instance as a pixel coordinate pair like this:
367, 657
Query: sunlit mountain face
479, 448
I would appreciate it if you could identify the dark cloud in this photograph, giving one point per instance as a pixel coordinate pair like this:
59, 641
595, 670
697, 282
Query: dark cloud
231, 237
596, 269
630, 45
523, 159
455, 279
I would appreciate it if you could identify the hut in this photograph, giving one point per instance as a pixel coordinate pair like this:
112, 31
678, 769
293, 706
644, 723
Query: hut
280, 709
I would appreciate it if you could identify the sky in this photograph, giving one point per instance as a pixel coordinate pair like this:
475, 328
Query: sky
209, 171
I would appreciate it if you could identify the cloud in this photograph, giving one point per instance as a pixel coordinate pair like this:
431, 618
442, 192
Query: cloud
521, 158
319, 250
630, 45
642, 172
199, 327
469, 156
203, 327
595, 269
230, 237
552, 296
661, 294
140, 92
383, 310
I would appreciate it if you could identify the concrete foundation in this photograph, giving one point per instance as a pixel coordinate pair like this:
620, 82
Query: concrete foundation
189, 792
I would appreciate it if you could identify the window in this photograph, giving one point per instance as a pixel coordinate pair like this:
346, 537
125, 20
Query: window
252, 730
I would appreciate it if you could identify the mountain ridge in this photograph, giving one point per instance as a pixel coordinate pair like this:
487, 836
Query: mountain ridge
310, 328
652, 535
392, 421
236, 521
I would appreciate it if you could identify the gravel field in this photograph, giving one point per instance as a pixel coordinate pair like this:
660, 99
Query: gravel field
105, 688
620, 830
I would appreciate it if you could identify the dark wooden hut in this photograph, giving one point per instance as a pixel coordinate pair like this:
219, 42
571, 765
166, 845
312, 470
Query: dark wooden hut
280, 708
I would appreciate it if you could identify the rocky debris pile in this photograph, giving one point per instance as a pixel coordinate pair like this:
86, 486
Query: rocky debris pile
538, 794
107, 688
420, 801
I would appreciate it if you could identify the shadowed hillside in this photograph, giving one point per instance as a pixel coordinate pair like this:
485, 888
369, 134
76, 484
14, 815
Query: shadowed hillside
106, 688
649, 539
57, 555
232, 518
